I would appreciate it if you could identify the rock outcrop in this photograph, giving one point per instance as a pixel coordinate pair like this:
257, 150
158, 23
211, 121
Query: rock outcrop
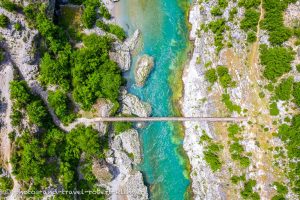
121, 53
143, 67
125, 153
132, 105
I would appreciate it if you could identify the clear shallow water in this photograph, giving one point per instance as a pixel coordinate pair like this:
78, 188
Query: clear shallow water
163, 26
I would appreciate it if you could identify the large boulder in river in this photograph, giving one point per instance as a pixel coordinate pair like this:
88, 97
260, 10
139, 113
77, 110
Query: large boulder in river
132, 105
142, 69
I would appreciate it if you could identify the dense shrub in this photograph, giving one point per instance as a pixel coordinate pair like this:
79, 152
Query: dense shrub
211, 76
289, 134
8, 5
218, 28
117, 31
223, 3
232, 13
250, 20
236, 179
298, 68
274, 109
4, 21
249, 3
229, 104
2, 55
273, 21
224, 77
277, 61
89, 16
251, 37
19, 93
94, 75
6, 183
18, 26
247, 192
296, 92
120, 127
104, 12
284, 90
216, 11
61, 105
37, 113
56, 71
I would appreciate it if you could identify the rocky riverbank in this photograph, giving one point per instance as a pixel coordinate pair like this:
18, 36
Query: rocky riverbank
204, 183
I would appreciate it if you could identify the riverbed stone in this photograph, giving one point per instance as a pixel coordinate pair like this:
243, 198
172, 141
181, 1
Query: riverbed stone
142, 69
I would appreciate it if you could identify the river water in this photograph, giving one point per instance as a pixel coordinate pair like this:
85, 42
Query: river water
164, 35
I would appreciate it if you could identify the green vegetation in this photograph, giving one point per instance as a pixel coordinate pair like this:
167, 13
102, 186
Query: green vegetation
18, 26
37, 112
89, 16
4, 21
218, 28
216, 11
249, 3
223, 3
250, 20
51, 154
273, 21
277, 61
296, 93
248, 192
236, 149
232, 13
113, 29
104, 12
94, 75
284, 90
274, 111
211, 76
120, 127
229, 104
298, 68
224, 77
6, 184
236, 179
289, 134
61, 105
2, 55
56, 71
211, 153
9, 6
117, 31
251, 37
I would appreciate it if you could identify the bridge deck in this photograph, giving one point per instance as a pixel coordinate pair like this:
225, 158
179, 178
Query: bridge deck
159, 119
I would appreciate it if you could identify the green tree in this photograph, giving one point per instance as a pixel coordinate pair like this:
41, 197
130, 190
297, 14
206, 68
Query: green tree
250, 20
59, 101
277, 61
4, 21
120, 127
284, 90
37, 113
89, 16
19, 92
211, 76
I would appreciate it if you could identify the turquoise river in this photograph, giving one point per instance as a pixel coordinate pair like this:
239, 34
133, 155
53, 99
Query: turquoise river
165, 37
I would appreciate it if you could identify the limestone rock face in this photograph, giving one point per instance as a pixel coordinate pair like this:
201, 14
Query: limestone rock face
142, 69
134, 187
132, 105
121, 53
130, 143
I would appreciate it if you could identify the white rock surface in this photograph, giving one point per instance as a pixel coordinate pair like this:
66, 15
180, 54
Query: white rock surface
132, 105
143, 67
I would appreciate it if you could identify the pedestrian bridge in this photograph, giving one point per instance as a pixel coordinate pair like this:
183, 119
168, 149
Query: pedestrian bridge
172, 119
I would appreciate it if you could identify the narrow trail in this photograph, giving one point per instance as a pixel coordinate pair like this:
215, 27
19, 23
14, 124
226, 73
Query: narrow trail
262, 160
